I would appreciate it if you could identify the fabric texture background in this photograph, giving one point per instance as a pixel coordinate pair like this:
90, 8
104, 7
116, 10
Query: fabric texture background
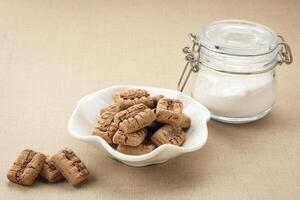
53, 52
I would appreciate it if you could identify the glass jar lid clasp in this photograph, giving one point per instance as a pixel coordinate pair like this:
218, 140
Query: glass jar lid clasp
192, 56
285, 53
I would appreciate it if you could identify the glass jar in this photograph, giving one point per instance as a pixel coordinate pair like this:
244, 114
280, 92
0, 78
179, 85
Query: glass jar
236, 62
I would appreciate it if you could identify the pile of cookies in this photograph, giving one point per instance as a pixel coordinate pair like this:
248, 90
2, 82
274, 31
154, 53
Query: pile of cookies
64, 164
138, 122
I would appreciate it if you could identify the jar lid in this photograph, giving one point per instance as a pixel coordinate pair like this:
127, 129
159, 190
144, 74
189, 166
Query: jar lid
238, 37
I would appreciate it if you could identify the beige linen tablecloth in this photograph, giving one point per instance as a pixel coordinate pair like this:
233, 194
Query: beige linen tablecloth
53, 52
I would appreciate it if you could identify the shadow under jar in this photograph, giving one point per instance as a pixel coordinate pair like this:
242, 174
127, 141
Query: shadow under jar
236, 62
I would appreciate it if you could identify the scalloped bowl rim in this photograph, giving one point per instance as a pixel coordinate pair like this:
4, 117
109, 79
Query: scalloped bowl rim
133, 158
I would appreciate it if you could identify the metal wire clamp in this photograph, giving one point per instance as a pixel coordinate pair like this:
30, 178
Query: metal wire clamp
192, 56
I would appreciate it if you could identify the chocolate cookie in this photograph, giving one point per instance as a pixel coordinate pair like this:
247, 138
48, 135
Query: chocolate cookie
128, 98
169, 111
154, 125
185, 121
130, 139
105, 127
134, 118
168, 134
111, 108
138, 150
156, 98
27, 167
71, 167
50, 172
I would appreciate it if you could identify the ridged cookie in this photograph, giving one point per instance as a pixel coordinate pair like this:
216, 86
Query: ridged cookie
134, 118
185, 121
128, 98
169, 111
156, 98
50, 172
168, 134
130, 139
138, 150
71, 167
105, 127
112, 108
27, 167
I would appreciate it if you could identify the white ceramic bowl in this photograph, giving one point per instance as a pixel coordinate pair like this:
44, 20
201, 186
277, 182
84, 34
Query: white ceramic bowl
86, 113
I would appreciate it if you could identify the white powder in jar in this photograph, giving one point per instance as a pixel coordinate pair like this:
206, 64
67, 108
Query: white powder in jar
230, 95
